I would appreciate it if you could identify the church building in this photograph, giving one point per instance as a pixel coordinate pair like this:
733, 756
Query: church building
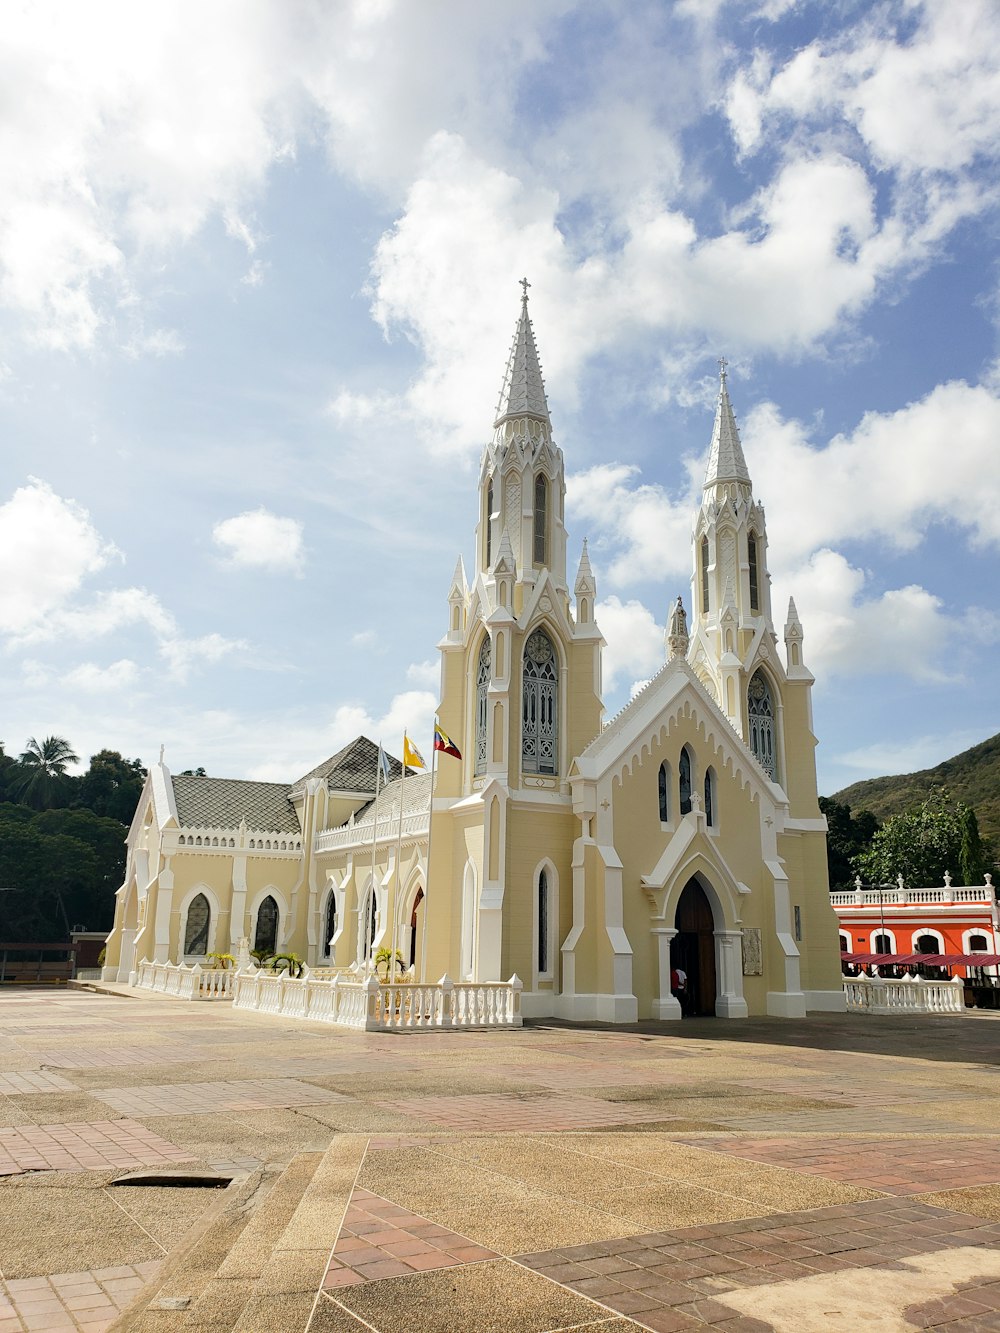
591, 857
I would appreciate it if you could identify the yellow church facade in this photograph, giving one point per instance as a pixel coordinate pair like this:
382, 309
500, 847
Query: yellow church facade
595, 859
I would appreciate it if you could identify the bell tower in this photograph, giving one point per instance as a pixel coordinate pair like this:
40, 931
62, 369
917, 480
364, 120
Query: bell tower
521, 692
733, 646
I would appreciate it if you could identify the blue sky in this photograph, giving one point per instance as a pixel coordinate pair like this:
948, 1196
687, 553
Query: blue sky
258, 270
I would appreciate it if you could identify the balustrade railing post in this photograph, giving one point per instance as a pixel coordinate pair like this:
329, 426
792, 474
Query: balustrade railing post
446, 1016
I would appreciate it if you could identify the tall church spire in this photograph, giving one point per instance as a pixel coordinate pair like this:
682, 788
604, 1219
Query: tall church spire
523, 391
725, 461
522, 481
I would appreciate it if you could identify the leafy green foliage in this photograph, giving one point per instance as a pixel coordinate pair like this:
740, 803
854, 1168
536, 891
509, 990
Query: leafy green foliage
939, 836
848, 836
62, 838
41, 780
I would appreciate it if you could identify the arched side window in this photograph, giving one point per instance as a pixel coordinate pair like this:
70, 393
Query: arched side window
266, 934
704, 575
489, 524
684, 781
544, 959
882, 943
845, 943
199, 915
663, 792
711, 812
927, 944
541, 517
330, 923
483, 703
539, 705
754, 577
760, 716
978, 944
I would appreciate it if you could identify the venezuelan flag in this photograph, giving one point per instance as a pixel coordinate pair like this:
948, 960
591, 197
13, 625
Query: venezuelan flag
444, 743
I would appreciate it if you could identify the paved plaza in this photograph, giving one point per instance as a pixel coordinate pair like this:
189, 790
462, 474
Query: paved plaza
833, 1173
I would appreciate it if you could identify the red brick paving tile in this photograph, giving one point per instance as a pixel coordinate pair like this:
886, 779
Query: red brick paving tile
383, 1268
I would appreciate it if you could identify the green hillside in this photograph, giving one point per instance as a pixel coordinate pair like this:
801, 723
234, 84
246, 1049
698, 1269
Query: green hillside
972, 777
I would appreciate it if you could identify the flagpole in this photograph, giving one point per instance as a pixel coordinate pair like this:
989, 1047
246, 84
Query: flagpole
367, 935
398, 885
427, 877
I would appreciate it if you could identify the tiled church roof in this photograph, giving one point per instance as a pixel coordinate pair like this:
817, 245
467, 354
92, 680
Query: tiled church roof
350, 769
223, 802
269, 806
416, 796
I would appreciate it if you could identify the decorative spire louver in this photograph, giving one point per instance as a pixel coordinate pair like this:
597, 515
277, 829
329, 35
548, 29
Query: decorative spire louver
523, 392
725, 461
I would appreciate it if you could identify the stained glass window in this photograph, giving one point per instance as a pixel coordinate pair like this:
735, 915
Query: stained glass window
760, 716
266, 934
199, 915
483, 703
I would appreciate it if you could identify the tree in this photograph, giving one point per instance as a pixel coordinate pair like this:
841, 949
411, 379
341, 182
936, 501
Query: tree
41, 778
847, 837
112, 785
923, 844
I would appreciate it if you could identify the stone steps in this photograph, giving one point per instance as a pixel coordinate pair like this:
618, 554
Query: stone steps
256, 1262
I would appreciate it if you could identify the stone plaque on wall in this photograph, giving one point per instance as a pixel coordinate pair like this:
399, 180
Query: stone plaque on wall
753, 959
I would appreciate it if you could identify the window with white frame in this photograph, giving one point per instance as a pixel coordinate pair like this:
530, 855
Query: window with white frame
711, 810
663, 792
760, 716
265, 937
684, 767
199, 916
330, 924
544, 923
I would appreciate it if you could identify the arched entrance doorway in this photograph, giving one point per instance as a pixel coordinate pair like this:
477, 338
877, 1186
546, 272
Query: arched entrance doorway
693, 948
416, 921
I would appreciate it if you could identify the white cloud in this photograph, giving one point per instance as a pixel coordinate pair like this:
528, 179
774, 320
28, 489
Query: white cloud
944, 73
634, 639
645, 532
426, 674
93, 679
909, 756
365, 638
48, 546
258, 539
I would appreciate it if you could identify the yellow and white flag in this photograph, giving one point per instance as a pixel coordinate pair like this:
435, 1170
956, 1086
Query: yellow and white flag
412, 758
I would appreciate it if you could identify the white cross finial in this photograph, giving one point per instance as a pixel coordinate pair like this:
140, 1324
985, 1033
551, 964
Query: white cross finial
161, 753
524, 285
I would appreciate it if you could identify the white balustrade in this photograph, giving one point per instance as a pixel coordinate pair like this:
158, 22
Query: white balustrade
186, 982
372, 1005
881, 995
349, 835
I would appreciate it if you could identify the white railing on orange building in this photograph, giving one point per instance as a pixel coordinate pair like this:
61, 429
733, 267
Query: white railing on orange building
881, 995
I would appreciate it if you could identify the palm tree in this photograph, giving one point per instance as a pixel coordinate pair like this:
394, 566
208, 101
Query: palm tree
42, 771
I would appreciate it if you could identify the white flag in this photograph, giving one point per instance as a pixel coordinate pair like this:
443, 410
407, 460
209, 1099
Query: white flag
383, 763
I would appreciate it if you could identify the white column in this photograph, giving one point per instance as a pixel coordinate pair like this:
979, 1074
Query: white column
666, 1006
729, 1001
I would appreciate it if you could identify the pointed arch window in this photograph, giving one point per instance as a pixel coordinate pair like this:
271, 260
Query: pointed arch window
663, 792
710, 810
684, 780
330, 924
704, 575
483, 703
544, 961
489, 524
266, 934
754, 576
760, 716
541, 517
199, 915
540, 706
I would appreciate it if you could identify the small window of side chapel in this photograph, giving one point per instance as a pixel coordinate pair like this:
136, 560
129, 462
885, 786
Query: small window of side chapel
199, 914
330, 927
266, 934
754, 576
483, 703
711, 814
663, 792
541, 518
760, 717
540, 706
704, 576
684, 781
978, 944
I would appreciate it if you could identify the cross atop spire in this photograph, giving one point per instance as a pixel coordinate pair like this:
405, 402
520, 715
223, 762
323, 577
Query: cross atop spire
523, 392
726, 461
